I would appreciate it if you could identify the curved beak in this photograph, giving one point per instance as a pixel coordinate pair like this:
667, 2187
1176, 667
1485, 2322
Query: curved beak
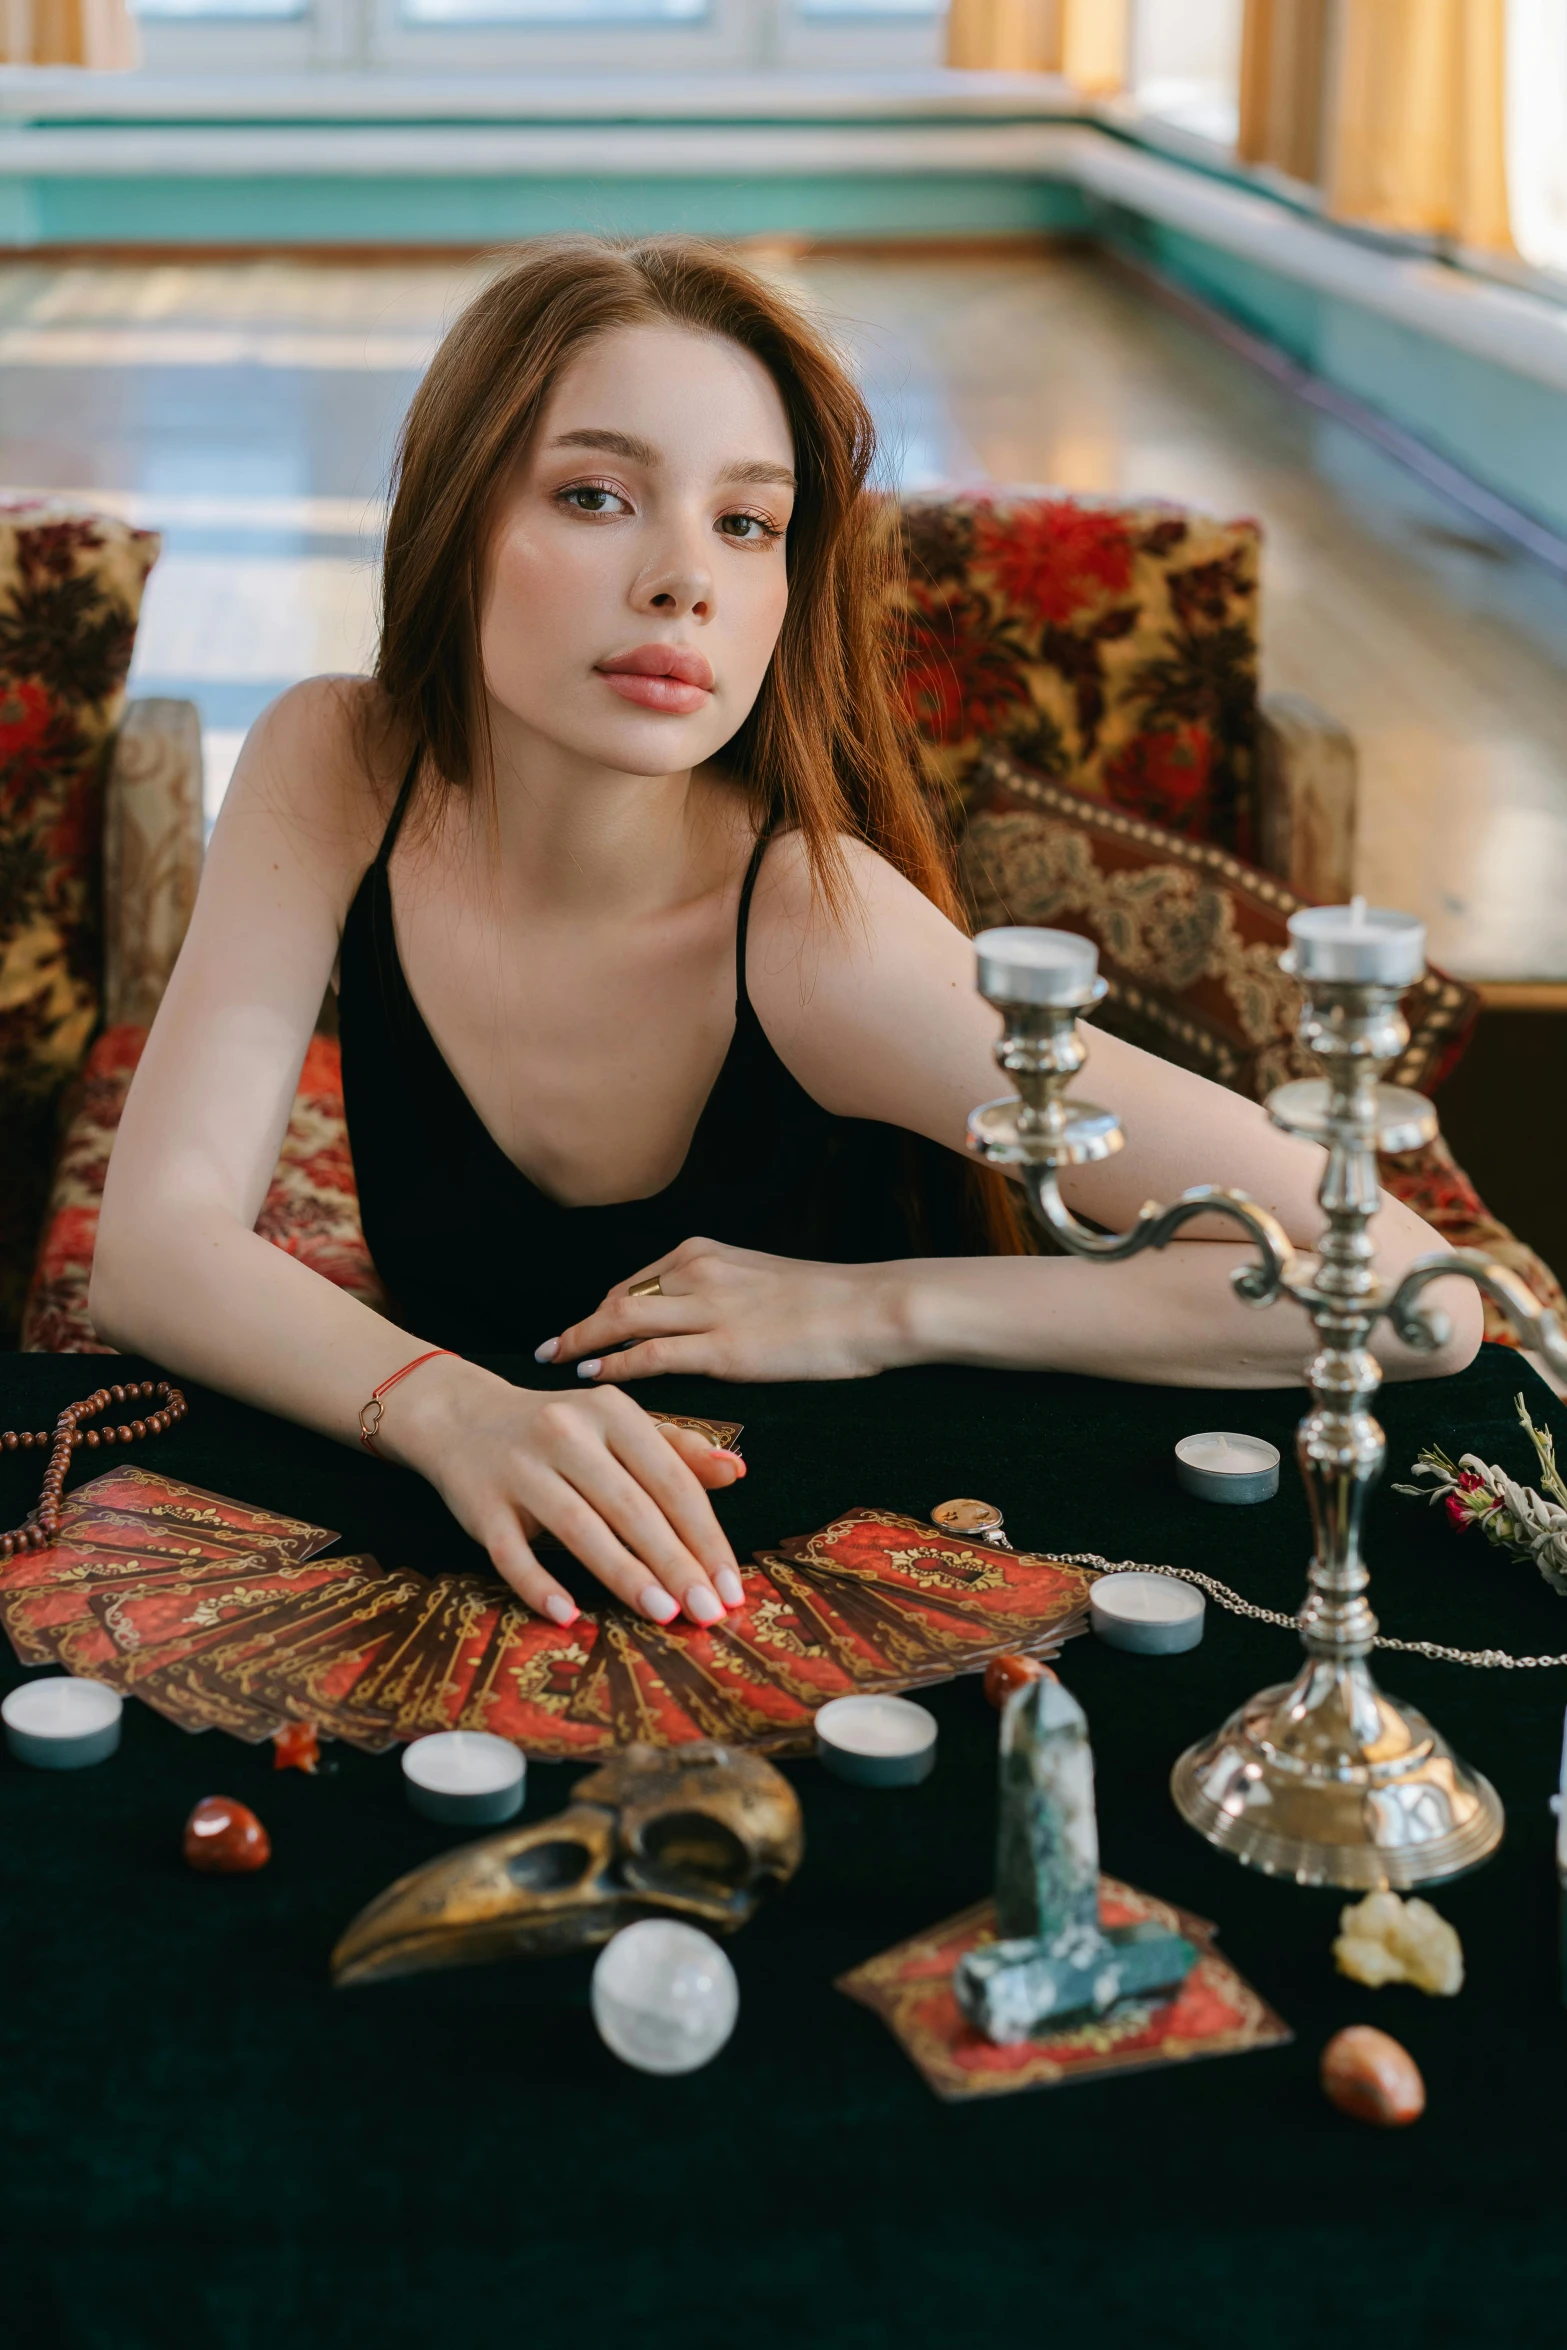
525, 1893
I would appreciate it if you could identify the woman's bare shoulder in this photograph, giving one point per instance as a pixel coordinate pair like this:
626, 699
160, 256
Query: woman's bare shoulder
319, 773
872, 899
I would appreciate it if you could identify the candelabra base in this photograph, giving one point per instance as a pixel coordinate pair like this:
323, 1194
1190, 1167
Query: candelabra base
1331, 1782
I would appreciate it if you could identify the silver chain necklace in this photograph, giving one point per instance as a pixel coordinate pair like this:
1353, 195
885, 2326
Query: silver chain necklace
1269, 1615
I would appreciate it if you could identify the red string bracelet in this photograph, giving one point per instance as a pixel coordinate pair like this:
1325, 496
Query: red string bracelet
369, 1427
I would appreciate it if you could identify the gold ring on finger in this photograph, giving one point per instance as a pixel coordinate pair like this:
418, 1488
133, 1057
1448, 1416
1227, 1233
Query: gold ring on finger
653, 1286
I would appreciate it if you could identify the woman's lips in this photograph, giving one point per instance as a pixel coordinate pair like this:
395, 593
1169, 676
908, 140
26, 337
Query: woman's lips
660, 677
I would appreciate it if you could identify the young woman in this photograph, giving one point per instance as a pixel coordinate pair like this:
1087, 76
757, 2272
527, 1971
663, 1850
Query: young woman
651, 991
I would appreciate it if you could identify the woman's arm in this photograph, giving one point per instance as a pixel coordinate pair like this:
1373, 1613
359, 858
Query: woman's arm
878, 1018
181, 1275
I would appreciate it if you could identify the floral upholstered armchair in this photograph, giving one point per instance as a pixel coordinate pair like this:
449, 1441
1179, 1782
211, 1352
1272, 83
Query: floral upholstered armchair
1114, 647
1083, 680
100, 834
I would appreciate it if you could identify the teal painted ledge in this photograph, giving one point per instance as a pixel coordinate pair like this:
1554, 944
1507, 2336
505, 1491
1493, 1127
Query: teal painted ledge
1505, 430
1474, 371
447, 211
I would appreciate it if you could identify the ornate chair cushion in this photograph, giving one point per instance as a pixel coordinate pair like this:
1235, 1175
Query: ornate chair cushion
70, 595
311, 1210
1111, 644
1189, 940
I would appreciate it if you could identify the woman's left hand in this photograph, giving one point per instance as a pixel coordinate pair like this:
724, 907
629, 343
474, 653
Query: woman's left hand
733, 1313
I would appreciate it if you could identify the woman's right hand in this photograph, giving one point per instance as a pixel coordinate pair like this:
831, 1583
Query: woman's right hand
625, 1494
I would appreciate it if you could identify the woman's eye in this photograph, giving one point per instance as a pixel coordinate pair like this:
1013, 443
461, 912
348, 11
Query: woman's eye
749, 529
592, 497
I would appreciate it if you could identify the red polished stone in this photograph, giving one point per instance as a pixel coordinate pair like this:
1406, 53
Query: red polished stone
225, 1837
1369, 2076
295, 1747
1003, 1674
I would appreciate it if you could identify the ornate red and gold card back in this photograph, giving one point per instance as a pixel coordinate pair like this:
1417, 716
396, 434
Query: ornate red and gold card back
223, 1615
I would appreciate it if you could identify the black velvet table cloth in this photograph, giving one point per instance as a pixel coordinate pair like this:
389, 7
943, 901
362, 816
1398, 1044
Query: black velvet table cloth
204, 2144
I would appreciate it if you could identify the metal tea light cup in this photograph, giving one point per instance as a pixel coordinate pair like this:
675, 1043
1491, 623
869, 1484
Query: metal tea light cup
1325, 1779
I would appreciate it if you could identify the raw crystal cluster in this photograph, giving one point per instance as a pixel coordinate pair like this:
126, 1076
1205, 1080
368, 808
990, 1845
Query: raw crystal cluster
1053, 1958
1384, 1939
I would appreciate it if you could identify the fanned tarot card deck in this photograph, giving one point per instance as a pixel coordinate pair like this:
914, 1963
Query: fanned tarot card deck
222, 1616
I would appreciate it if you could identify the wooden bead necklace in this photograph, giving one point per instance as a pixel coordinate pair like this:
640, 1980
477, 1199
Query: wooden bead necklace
43, 1522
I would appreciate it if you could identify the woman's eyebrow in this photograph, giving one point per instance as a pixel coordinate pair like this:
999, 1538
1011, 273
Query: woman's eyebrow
758, 469
616, 444
640, 452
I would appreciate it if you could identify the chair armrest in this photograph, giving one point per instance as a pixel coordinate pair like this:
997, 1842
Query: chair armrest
152, 848
1308, 779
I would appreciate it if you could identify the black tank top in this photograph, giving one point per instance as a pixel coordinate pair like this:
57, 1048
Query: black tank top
475, 1257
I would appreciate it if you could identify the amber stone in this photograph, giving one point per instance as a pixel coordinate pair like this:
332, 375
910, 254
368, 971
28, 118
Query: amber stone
1367, 2075
295, 1747
1003, 1674
224, 1837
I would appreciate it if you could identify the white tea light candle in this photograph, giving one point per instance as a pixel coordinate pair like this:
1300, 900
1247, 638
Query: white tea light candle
1154, 1615
876, 1741
60, 1724
1221, 1465
465, 1778
1026, 966
1358, 941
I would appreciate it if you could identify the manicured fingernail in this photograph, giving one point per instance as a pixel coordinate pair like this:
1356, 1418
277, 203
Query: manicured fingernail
547, 1352
591, 1368
564, 1610
730, 1588
721, 1452
656, 1602
701, 1606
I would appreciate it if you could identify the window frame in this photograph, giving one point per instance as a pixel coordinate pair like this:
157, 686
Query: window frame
375, 37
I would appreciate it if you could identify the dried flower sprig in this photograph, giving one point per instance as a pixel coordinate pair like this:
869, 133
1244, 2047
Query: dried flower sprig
1516, 1518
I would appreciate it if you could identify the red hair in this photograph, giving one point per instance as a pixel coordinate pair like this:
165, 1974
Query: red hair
826, 750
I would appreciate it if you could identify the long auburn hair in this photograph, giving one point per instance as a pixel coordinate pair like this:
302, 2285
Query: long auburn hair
826, 749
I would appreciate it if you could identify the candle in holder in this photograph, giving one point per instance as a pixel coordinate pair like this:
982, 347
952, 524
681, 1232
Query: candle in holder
1021, 966
60, 1724
1153, 1615
877, 1741
465, 1778
1357, 942
1223, 1466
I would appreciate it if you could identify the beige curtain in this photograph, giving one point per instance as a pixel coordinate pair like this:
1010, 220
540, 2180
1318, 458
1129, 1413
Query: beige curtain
1005, 36
1086, 40
98, 33
1415, 117
1095, 44
1283, 53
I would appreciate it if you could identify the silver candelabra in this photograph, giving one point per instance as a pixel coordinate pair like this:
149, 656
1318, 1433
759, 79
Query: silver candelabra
1325, 1779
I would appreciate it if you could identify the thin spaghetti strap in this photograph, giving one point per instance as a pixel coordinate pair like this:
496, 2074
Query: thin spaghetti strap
743, 923
395, 821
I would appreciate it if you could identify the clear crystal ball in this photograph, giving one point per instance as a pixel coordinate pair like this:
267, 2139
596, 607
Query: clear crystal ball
665, 1997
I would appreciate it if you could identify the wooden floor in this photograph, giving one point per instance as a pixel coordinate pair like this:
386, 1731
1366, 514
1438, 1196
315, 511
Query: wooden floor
249, 411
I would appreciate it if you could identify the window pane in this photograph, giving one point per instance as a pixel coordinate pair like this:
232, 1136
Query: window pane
1186, 63
874, 8
1537, 130
554, 11
214, 10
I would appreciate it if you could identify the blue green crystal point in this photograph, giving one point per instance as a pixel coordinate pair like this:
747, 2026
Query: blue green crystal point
1052, 1958
1047, 1857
